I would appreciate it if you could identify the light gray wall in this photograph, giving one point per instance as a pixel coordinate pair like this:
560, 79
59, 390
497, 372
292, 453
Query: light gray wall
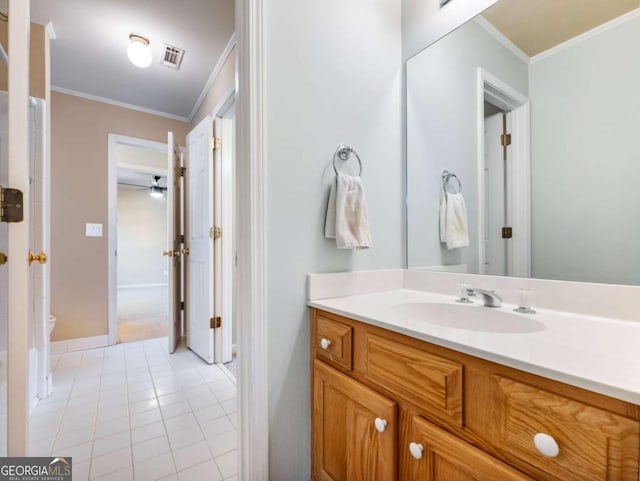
442, 134
333, 74
424, 22
142, 236
585, 114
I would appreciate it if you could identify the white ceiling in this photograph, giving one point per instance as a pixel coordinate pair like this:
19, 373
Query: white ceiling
89, 53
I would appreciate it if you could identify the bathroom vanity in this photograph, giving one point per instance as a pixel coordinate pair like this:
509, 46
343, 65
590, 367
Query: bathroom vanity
404, 395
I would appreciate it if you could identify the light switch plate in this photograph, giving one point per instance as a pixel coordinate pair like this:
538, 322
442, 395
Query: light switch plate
94, 230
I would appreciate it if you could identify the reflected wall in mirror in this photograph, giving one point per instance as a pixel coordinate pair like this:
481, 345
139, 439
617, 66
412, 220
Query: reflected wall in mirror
534, 106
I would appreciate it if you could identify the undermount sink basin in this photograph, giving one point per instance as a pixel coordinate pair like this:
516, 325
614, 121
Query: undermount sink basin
467, 317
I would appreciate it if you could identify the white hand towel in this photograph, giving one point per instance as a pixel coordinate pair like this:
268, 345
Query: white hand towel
454, 230
347, 220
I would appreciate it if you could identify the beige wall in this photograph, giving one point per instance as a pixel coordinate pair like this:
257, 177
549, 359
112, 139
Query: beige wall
223, 83
80, 128
37, 64
142, 236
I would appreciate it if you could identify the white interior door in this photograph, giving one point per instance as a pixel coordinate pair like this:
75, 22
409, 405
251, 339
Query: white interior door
15, 237
495, 245
173, 253
200, 273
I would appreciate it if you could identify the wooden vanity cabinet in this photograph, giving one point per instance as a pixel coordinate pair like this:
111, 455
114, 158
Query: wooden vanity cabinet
474, 420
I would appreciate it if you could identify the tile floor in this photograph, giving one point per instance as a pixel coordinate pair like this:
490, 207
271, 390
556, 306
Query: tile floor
133, 412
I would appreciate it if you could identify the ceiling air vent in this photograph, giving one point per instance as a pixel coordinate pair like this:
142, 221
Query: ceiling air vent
172, 57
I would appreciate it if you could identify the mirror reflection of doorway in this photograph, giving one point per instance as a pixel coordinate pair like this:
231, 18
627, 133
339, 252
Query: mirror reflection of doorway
142, 305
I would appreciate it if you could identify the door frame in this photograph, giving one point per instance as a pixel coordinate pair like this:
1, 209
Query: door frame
112, 228
223, 351
519, 177
18, 233
251, 235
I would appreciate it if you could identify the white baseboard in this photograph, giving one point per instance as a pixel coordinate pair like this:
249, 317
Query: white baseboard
80, 344
141, 286
234, 349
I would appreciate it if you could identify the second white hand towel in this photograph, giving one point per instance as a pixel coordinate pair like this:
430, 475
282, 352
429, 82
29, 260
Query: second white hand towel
352, 221
456, 232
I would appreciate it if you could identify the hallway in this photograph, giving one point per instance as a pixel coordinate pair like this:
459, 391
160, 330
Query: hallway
133, 412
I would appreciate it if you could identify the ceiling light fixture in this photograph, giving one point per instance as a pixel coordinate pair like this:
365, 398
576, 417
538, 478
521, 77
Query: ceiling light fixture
138, 51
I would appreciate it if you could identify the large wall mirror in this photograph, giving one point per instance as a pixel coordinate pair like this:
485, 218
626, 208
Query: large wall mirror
534, 107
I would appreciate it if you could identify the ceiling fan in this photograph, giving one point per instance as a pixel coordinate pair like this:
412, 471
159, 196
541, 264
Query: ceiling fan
155, 189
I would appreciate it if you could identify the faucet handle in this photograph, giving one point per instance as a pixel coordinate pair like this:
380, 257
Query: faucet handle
464, 291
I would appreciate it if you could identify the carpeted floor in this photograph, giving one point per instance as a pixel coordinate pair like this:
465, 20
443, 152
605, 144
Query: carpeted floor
143, 329
142, 313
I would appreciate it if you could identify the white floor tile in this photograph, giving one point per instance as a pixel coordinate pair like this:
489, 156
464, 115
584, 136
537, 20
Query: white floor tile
150, 449
175, 409
113, 426
217, 426
111, 443
144, 418
191, 455
228, 464
125, 474
171, 399
79, 453
208, 413
181, 422
203, 471
80, 471
230, 406
67, 440
143, 406
154, 468
186, 437
147, 432
111, 462
223, 443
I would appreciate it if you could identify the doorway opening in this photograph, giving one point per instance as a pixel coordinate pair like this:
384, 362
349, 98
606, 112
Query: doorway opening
504, 201
138, 287
141, 272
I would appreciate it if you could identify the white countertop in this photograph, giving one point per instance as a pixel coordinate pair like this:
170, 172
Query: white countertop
594, 353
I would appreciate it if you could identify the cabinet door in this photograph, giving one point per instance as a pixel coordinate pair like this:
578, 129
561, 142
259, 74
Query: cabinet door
354, 430
431, 454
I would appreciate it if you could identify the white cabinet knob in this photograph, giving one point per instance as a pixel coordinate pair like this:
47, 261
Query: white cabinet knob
325, 343
416, 450
380, 424
546, 445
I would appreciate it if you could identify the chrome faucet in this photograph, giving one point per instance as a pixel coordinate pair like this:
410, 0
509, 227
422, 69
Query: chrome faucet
490, 298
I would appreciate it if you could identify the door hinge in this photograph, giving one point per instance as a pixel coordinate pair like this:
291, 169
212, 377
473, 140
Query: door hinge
182, 171
215, 233
505, 140
216, 322
180, 239
182, 305
507, 232
3, 258
11, 206
215, 143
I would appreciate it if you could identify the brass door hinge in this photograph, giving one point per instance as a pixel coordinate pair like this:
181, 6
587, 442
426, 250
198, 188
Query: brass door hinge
505, 140
183, 171
3, 258
507, 232
215, 143
215, 233
11, 206
182, 305
216, 322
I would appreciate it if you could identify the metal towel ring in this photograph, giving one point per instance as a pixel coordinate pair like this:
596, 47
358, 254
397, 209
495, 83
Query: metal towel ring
446, 176
343, 152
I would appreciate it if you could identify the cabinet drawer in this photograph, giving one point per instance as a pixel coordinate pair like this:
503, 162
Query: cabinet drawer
431, 454
431, 383
334, 342
594, 445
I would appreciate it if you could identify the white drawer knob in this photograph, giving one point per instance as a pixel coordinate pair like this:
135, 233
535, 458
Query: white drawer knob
416, 450
546, 445
380, 424
325, 343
